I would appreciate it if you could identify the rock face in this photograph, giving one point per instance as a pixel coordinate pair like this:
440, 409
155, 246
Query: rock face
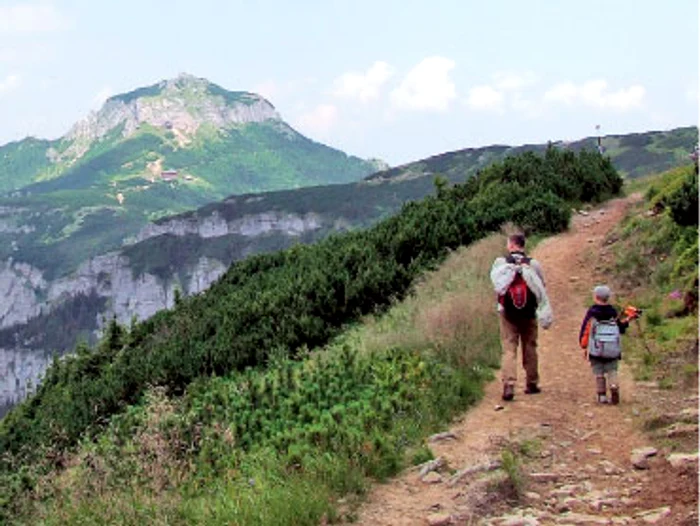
109, 275
249, 226
26, 293
182, 104
19, 283
19, 374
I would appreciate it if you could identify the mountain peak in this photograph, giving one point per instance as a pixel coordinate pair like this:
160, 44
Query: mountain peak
181, 105
190, 87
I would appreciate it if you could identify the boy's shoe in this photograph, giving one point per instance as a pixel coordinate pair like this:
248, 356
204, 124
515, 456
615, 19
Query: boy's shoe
614, 395
602, 399
531, 388
508, 392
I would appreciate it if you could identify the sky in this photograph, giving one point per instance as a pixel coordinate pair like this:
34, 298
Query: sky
395, 80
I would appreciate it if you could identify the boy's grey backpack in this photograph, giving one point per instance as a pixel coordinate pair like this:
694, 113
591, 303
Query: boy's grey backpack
604, 341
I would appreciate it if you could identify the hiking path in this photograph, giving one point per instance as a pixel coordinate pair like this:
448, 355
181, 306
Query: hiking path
578, 465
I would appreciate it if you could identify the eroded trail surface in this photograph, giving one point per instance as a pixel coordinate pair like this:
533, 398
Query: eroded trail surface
580, 468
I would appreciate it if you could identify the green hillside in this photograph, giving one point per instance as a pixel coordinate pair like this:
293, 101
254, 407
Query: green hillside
84, 194
273, 307
633, 155
639, 154
21, 162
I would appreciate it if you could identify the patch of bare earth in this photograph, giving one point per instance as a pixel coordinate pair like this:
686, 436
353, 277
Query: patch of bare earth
576, 457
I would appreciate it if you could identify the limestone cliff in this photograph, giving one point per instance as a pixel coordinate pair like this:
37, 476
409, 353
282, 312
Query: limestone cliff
129, 294
26, 293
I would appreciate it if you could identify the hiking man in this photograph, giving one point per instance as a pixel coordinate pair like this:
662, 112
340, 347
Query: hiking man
522, 301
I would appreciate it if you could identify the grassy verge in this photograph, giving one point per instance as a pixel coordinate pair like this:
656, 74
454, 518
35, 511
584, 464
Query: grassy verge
655, 266
296, 442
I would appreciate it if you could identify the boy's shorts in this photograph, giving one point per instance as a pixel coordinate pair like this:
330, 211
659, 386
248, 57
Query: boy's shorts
600, 367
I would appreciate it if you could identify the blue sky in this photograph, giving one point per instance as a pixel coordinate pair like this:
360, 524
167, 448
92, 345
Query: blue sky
398, 80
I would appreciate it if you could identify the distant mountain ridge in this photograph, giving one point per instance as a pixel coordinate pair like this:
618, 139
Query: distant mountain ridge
633, 154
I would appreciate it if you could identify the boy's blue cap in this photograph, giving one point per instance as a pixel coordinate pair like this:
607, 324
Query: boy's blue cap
602, 292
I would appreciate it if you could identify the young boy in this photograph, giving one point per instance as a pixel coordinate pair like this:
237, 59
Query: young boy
600, 339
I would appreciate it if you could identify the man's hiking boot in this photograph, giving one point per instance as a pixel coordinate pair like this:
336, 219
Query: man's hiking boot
508, 392
614, 395
532, 388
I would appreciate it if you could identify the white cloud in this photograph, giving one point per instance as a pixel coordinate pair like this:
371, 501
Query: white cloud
564, 92
363, 86
36, 17
505, 91
276, 90
510, 81
319, 120
9, 83
595, 93
101, 96
427, 86
485, 98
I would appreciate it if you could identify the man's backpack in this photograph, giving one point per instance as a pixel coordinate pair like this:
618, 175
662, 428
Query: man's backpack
604, 340
519, 302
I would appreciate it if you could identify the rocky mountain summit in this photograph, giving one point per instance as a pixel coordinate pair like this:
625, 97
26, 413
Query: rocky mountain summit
182, 105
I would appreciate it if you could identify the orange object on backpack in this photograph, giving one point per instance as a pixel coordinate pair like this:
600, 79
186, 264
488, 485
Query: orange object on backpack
586, 334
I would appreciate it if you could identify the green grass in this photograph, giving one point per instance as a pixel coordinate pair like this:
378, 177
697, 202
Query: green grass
511, 465
654, 257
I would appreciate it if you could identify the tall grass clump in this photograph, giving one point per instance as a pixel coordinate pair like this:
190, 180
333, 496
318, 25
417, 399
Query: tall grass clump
655, 267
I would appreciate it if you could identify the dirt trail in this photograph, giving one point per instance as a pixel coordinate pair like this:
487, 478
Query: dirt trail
583, 458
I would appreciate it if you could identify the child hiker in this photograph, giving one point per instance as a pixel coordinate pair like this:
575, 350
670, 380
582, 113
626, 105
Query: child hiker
600, 339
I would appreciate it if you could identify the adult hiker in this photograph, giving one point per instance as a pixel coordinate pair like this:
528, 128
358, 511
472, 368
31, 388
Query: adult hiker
522, 302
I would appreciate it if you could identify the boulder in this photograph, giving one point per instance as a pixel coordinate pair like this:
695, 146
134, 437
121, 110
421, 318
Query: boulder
433, 477
680, 429
683, 460
654, 516
640, 456
439, 519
